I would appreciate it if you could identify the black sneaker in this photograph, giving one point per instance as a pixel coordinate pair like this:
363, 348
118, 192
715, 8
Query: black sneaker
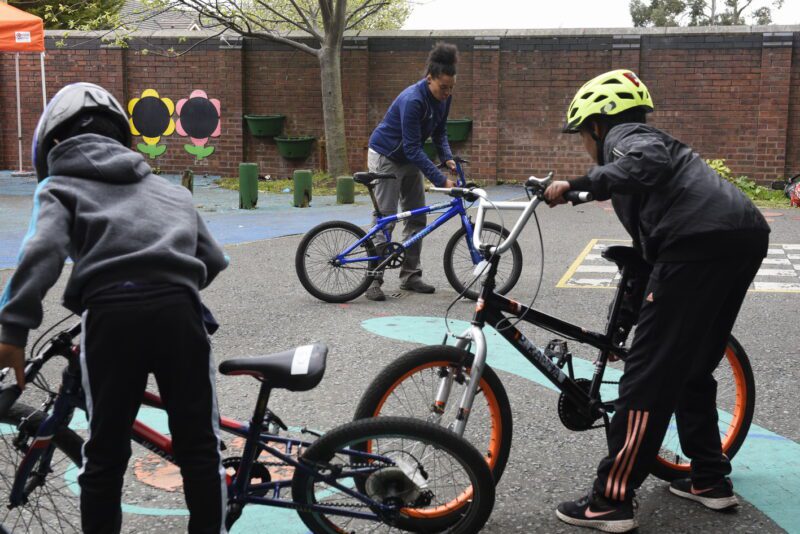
595, 511
374, 292
717, 497
416, 284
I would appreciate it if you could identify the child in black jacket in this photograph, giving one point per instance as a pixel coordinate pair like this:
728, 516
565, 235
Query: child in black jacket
705, 241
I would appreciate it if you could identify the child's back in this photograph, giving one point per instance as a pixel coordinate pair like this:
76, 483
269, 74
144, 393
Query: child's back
141, 253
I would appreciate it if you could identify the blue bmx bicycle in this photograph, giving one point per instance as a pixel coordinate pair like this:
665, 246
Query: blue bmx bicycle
336, 261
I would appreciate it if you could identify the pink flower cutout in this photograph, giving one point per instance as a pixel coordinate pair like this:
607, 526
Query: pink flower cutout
198, 117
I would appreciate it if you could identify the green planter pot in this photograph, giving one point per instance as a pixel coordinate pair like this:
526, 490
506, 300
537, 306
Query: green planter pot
265, 125
295, 147
458, 129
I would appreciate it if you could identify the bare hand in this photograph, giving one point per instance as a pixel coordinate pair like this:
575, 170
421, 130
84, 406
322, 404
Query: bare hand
14, 357
554, 194
449, 183
451, 165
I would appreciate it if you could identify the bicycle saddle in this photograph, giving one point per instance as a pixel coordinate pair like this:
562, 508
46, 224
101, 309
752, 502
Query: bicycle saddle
298, 369
626, 257
365, 178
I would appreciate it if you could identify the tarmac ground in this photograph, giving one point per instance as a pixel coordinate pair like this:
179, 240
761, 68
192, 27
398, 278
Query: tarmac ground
263, 309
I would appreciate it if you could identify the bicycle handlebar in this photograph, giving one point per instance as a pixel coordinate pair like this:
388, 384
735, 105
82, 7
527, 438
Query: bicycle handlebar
578, 197
534, 184
11, 392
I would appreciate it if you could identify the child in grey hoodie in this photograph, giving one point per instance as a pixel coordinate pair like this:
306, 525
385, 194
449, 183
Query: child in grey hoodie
141, 253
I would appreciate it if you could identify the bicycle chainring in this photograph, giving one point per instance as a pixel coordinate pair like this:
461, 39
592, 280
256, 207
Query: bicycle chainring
568, 412
259, 473
396, 252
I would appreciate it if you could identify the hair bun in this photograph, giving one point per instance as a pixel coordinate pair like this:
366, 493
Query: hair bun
444, 53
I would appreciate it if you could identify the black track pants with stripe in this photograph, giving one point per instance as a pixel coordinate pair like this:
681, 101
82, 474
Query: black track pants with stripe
126, 337
684, 324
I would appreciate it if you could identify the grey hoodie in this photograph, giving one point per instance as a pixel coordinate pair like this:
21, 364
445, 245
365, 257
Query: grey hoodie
103, 207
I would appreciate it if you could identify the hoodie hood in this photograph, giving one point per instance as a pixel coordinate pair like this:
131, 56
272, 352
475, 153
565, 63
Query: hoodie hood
98, 158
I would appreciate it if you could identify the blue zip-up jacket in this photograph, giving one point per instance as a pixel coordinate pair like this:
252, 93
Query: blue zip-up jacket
414, 116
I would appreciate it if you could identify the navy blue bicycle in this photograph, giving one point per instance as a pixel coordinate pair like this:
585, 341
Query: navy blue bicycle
336, 261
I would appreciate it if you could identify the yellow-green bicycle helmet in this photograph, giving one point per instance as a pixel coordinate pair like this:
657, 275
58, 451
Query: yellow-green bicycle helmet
608, 94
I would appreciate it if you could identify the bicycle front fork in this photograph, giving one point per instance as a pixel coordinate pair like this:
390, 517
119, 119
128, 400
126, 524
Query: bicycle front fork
473, 335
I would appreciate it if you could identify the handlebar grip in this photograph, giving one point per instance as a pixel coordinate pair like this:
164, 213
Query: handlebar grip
8, 396
578, 197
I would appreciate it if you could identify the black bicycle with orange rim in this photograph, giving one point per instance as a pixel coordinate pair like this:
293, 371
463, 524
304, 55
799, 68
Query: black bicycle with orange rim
453, 385
373, 475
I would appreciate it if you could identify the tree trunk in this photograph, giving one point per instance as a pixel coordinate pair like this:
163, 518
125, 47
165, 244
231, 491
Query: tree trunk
333, 109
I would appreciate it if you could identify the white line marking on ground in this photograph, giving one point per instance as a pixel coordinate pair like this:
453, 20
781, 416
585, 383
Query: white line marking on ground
776, 272
597, 269
776, 261
772, 286
591, 281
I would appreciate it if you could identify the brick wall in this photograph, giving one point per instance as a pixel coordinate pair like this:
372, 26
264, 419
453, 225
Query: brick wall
731, 93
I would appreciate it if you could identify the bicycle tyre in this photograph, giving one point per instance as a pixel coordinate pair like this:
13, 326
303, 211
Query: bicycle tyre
458, 266
497, 448
744, 403
312, 249
466, 518
62, 512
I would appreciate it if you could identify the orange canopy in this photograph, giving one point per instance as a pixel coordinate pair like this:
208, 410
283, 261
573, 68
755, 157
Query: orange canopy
20, 31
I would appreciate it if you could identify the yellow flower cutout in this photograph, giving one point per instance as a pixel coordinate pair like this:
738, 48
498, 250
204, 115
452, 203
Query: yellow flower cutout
151, 116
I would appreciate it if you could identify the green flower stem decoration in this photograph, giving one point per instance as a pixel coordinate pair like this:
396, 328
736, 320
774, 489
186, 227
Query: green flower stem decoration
151, 150
199, 152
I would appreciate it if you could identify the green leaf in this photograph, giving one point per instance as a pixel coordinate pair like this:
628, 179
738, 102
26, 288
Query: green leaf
200, 152
151, 150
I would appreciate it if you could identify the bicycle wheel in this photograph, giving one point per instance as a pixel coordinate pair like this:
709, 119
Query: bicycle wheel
436, 479
317, 271
458, 266
52, 490
736, 400
408, 387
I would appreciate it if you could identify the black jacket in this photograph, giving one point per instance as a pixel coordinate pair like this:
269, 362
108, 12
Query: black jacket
674, 206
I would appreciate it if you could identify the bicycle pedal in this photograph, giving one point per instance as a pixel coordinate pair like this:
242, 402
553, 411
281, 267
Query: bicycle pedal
557, 350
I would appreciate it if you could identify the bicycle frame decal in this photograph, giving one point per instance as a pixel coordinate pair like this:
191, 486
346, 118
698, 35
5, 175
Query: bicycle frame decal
533, 351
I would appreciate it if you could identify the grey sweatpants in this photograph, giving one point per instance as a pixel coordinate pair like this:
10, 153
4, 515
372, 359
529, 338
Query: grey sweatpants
409, 192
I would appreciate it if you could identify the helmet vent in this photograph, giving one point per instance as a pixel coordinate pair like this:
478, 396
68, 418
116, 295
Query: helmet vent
600, 98
612, 80
641, 94
586, 95
626, 96
573, 112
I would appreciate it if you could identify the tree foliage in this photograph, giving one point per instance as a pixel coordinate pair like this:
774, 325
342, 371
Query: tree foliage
73, 14
646, 13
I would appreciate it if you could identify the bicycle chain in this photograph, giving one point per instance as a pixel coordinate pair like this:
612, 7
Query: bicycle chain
342, 504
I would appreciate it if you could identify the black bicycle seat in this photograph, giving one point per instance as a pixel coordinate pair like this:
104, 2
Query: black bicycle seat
298, 369
626, 257
365, 178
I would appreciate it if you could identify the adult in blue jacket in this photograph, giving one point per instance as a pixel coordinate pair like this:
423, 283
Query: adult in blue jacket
395, 147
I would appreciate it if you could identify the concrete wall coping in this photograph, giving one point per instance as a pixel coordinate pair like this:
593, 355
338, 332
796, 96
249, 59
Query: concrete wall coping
431, 34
